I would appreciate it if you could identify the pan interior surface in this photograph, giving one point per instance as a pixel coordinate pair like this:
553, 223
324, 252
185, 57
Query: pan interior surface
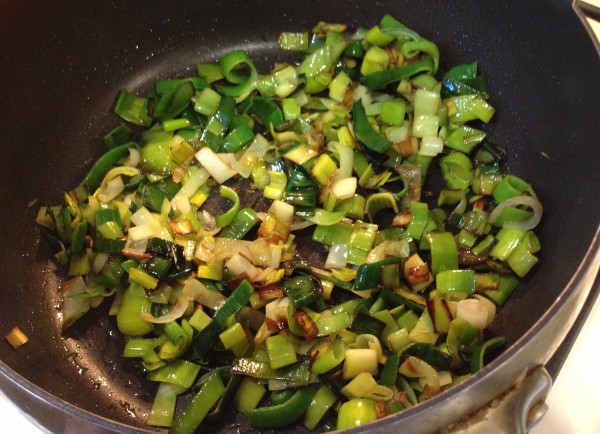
65, 63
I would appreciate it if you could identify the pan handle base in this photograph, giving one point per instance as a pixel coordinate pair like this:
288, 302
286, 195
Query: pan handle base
515, 411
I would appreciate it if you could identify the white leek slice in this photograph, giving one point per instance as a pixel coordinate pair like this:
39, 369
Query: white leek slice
197, 176
526, 200
431, 146
112, 185
246, 163
240, 266
473, 311
283, 212
344, 188
74, 304
144, 217
215, 165
337, 257
346, 159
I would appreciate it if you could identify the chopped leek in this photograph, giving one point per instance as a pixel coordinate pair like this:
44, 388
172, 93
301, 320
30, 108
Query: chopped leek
278, 231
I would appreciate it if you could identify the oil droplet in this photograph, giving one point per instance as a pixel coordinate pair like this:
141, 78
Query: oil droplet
128, 409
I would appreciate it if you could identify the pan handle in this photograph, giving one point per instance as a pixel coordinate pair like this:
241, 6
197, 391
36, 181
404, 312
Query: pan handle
588, 12
588, 9
514, 412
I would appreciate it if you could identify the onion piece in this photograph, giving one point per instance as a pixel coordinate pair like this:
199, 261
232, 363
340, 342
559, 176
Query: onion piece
431, 146
195, 290
490, 305
210, 299
136, 248
264, 254
337, 257
300, 224
238, 265
111, 189
252, 155
473, 311
283, 212
192, 290
376, 254
99, 261
530, 201
142, 232
344, 188
175, 312
225, 248
112, 185
215, 165
196, 178
414, 367
277, 311
74, 304
346, 158
144, 217
133, 160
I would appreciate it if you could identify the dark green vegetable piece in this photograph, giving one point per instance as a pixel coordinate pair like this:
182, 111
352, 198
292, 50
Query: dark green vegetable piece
393, 298
237, 68
222, 409
208, 395
478, 358
78, 237
286, 413
237, 139
165, 86
301, 190
133, 109
151, 197
463, 340
203, 342
368, 276
218, 123
280, 396
391, 26
389, 373
364, 323
157, 266
118, 136
112, 271
174, 102
180, 271
166, 249
463, 80
381, 79
269, 113
355, 49
103, 164
365, 132
108, 218
62, 223
243, 222
439, 360
107, 245
302, 290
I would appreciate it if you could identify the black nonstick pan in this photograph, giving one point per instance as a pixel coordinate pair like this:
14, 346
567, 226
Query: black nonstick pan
63, 63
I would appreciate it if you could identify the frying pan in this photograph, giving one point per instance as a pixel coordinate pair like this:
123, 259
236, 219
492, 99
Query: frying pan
62, 64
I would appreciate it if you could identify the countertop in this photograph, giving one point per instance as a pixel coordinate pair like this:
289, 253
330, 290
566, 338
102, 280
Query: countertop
573, 403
